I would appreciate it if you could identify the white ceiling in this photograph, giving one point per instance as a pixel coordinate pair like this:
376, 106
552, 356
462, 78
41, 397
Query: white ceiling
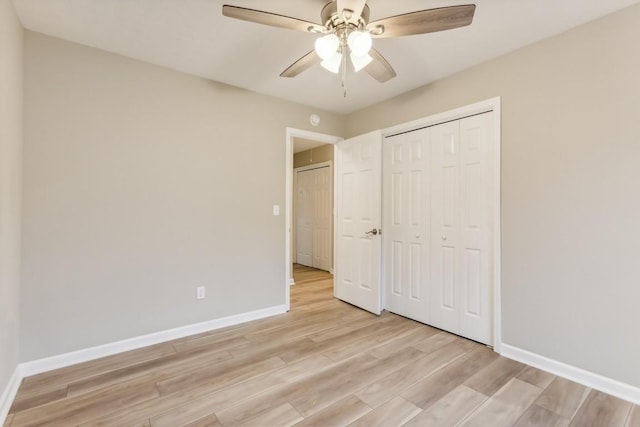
192, 36
301, 144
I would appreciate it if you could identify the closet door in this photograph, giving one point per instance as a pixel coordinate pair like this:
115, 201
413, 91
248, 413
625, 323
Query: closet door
304, 218
406, 231
476, 231
445, 226
322, 218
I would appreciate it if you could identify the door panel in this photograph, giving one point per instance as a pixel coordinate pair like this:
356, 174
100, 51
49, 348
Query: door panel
476, 195
358, 171
406, 238
323, 212
304, 218
445, 226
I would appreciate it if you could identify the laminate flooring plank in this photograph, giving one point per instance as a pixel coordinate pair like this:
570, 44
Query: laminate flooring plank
450, 410
208, 421
339, 413
217, 342
563, 397
8, 420
395, 412
63, 376
333, 376
535, 376
505, 407
317, 398
633, 420
22, 403
491, 379
192, 408
395, 383
83, 408
435, 342
429, 390
284, 415
537, 416
414, 336
155, 370
600, 409
387, 332
219, 375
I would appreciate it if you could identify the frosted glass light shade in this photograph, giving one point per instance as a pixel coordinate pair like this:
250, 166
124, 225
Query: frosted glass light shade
359, 62
359, 42
327, 46
333, 63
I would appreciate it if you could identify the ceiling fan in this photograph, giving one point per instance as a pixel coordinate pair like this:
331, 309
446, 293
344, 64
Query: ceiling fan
346, 31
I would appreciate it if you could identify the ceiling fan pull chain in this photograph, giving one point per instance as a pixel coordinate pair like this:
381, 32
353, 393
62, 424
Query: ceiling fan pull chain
344, 73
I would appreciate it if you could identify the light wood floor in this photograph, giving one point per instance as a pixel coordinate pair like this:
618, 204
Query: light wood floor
324, 363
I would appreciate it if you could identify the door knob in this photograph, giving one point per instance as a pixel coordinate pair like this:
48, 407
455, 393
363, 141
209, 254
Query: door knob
373, 232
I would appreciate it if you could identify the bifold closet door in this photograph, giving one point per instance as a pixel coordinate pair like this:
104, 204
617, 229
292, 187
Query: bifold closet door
322, 218
406, 226
438, 194
314, 211
304, 217
461, 227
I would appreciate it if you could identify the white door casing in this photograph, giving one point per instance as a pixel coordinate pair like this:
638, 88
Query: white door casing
358, 213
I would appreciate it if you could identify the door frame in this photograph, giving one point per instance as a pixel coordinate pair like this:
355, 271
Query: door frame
492, 104
292, 133
294, 245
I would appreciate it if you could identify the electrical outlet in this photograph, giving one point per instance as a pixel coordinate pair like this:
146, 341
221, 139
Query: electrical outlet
200, 292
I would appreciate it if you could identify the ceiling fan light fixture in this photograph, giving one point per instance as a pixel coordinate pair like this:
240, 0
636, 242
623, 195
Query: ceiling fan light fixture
333, 63
360, 61
359, 42
327, 46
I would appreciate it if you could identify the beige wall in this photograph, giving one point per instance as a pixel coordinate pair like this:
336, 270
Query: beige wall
570, 204
323, 153
134, 195
11, 39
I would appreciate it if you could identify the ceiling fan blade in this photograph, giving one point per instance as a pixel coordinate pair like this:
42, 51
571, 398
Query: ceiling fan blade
302, 64
423, 21
354, 5
379, 68
271, 19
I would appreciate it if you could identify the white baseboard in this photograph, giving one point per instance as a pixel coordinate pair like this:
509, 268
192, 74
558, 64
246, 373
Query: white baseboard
60, 361
9, 393
596, 381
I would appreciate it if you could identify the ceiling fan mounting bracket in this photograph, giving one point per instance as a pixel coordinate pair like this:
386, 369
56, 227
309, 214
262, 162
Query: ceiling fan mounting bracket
332, 20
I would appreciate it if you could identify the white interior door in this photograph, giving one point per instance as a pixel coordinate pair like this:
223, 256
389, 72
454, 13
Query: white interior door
358, 246
476, 228
322, 218
438, 222
445, 140
304, 218
406, 224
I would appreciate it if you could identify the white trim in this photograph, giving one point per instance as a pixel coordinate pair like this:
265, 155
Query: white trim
292, 282
327, 164
590, 379
87, 354
292, 133
493, 104
9, 394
